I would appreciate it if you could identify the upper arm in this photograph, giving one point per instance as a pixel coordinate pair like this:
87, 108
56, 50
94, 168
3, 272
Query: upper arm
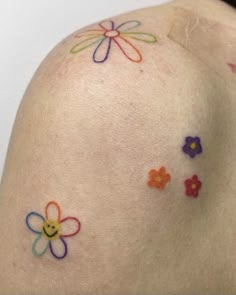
96, 118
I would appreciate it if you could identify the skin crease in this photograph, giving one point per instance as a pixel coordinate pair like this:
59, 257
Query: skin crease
86, 135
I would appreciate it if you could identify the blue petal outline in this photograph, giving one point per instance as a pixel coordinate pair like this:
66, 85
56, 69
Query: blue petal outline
28, 224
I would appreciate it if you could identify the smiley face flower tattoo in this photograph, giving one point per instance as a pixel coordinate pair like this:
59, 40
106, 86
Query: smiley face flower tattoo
107, 34
51, 230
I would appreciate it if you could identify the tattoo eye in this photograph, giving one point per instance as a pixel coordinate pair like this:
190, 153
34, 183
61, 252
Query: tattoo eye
48, 225
53, 227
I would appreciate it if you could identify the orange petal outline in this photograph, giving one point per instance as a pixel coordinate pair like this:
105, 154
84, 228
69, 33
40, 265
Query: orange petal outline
130, 44
58, 209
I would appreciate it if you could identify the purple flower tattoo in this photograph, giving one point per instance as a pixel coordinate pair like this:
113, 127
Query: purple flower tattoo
192, 146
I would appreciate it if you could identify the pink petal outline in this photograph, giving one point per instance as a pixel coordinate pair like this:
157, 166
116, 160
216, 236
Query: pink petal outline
105, 28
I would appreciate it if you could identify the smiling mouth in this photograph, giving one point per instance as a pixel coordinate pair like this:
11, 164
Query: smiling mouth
50, 236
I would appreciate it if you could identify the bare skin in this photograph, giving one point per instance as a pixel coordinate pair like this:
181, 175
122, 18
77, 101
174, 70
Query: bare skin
86, 135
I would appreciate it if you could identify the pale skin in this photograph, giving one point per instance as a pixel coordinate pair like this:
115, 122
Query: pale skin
87, 134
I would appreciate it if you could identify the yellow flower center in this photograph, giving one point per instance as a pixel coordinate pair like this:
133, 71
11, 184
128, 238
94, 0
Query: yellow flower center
194, 186
51, 229
112, 34
158, 179
193, 145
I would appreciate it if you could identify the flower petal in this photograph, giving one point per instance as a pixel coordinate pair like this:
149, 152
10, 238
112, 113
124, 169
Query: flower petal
128, 49
162, 171
87, 42
152, 182
87, 35
58, 248
166, 178
153, 173
53, 211
102, 51
70, 226
107, 25
145, 37
40, 246
195, 178
197, 140
34, 222
129, 25
89, 31
189, 139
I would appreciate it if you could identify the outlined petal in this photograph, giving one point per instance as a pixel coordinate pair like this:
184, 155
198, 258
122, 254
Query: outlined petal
40, 246
89, 32
34, 222
128, 49
102, 51
140, 36
87, 42
89, 36
107, 25
70, 226
58, 248
129, 25
53, 211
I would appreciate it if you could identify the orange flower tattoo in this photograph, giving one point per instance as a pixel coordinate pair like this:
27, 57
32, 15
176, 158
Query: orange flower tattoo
158, 178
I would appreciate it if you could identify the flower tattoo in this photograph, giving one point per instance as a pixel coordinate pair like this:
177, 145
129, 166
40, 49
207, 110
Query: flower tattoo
193, 186
158, 178
192, 146
50, 232
232, 67
107, 34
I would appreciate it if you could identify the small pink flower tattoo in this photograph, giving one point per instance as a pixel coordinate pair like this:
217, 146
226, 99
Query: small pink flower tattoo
232, 67
192, 186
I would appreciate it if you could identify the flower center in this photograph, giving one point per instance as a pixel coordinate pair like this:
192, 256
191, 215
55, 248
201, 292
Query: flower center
112, 34
194, 186
158, 179
193, 145
51, 229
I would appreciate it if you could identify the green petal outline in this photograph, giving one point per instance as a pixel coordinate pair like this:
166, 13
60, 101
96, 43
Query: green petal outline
138, 23
73, 51
34, 244
154, 38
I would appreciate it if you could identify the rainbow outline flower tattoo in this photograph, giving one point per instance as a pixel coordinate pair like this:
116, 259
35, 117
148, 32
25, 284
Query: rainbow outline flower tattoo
108, 34
49, 231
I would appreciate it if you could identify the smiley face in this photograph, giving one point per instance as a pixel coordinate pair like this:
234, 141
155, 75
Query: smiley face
51, 229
